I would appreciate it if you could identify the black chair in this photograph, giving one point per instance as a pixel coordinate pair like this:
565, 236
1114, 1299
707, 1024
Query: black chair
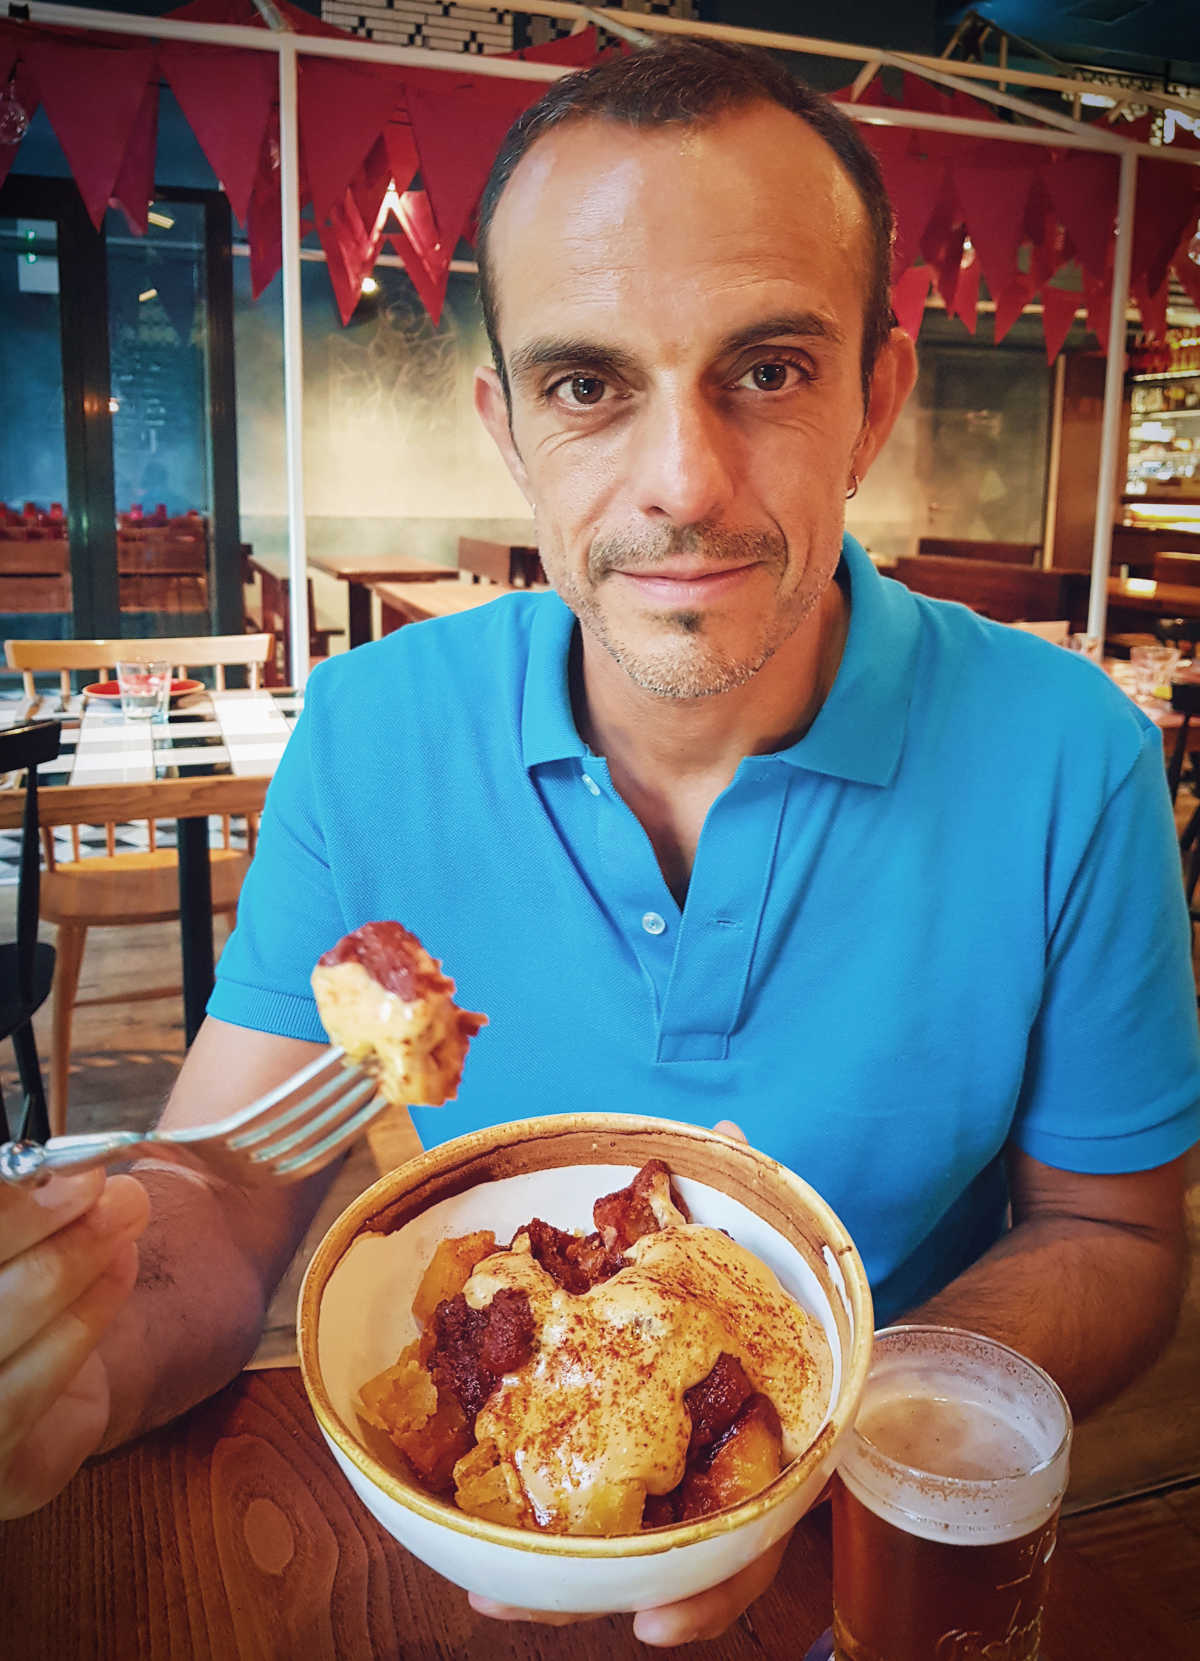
26, 964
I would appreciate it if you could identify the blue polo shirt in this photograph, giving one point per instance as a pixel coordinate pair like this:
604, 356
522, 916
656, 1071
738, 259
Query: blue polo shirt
949, 916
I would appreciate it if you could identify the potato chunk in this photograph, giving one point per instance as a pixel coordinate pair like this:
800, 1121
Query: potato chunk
749, 1457
449, 1270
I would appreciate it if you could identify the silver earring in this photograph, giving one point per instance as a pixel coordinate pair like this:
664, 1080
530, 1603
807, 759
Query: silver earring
853, 490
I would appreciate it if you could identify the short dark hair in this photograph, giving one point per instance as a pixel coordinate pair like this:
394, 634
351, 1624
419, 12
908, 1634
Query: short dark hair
685, 82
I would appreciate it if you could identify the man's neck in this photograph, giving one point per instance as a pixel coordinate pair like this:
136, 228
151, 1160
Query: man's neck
671, 758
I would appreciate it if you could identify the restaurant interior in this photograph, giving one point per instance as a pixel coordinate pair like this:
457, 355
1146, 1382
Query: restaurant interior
238, 326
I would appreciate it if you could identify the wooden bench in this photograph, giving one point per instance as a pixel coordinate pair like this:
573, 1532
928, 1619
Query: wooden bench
1008, 593
1004, 553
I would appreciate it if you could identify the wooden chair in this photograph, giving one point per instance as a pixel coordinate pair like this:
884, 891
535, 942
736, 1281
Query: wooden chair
112, 888
1007, 553
27, 964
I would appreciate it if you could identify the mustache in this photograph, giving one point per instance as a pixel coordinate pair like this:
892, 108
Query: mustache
644, 550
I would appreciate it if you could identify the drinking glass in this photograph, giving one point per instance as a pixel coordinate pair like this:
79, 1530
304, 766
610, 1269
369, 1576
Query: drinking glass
1089, 645
1152, 668
945, 1507
145, 690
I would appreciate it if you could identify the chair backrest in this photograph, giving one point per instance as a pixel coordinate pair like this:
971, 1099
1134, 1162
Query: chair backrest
1008, 553
23, 749
217, 651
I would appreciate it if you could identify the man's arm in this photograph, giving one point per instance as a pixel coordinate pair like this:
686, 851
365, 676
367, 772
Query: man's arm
212, 1253
1088, 1281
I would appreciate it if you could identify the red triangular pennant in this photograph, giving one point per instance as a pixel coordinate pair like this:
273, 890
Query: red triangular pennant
369, 187
344, 108
575, 51
1152, 305
426, 259
264, 219
909, 295
134, 189
1058, 313
92, 95
994, 202
458, 134
403, 160
966, 292
1082, 188
914, 185
1168, 202
226, 97
1010, 303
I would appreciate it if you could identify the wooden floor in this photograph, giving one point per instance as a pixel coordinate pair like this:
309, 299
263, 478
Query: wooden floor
1135, 1491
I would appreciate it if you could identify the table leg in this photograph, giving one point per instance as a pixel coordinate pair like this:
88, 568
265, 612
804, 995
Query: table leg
195, 921
360, 613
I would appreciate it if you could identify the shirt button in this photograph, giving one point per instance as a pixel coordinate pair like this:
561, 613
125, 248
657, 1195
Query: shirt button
653, 923
590, 784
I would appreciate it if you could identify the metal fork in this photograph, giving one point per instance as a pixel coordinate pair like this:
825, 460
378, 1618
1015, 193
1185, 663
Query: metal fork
289, 1133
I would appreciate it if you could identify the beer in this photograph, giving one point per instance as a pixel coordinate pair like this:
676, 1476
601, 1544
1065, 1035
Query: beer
947, 1501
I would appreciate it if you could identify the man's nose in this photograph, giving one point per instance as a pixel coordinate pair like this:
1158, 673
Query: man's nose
683, 463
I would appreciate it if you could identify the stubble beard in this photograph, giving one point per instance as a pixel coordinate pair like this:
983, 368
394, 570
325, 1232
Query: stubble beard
687, 661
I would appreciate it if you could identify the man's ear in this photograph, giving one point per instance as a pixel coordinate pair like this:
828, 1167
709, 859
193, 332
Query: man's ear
491, 406
892, 379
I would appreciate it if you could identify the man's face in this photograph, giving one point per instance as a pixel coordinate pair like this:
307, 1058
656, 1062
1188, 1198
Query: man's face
680, 312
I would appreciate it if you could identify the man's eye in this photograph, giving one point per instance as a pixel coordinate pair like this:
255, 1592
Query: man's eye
578, 390
777, 376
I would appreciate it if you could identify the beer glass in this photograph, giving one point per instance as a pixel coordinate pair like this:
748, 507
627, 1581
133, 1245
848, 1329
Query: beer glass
945, 1507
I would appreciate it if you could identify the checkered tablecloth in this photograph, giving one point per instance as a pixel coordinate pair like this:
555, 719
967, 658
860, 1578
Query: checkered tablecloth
205, 734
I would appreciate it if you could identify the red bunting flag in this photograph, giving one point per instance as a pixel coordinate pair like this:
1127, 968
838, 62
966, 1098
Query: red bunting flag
994, 200
93, 96
1168, 202
966, 291
226, 96
401, 146
1010, 303
134, 189
915, 186
1058, 313
426, 258
1082, 188
1097, 294
458, 133
344, 108
909, 294
1152, 305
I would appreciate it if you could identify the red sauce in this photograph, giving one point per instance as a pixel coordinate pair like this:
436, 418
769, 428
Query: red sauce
393, 957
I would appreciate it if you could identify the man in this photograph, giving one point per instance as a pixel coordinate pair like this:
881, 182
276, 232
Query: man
747, 832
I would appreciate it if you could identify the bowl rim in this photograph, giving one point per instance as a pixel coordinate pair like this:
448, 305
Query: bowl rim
464, 1150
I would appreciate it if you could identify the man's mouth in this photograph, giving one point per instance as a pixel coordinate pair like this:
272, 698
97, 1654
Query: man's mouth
688, 584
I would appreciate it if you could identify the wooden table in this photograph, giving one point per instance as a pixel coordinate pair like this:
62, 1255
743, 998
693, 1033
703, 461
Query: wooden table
1168, 599
233, 1535
518, 563
360, 571
194, 767
402, 603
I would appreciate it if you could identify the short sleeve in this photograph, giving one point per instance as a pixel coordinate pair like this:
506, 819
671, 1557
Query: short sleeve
1112, 1080
288, 911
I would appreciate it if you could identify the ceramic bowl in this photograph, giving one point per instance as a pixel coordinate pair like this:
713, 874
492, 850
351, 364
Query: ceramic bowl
355, 1317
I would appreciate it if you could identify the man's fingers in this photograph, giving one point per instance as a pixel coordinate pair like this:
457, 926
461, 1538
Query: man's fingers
36, 1376
48, 1277
510, 1612
59, 1443
28, 1215
709, 1613
726, 1127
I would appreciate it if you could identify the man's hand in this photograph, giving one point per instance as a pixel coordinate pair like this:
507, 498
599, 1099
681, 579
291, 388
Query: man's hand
68, 1261
707, 1615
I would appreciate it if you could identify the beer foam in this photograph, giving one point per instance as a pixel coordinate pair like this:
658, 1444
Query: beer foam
965, 1442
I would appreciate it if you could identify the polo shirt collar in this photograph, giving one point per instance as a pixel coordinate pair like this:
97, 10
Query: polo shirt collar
859, 732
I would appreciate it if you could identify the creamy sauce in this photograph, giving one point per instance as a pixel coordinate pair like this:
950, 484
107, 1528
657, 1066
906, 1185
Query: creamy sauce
414, 1047
600, 1403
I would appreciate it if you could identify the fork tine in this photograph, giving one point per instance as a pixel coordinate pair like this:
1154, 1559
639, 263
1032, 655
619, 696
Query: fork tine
316, 1158
357, 1090
302, 1111
261, 1108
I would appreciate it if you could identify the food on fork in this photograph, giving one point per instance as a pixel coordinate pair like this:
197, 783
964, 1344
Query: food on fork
388, 1004
648, 1373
